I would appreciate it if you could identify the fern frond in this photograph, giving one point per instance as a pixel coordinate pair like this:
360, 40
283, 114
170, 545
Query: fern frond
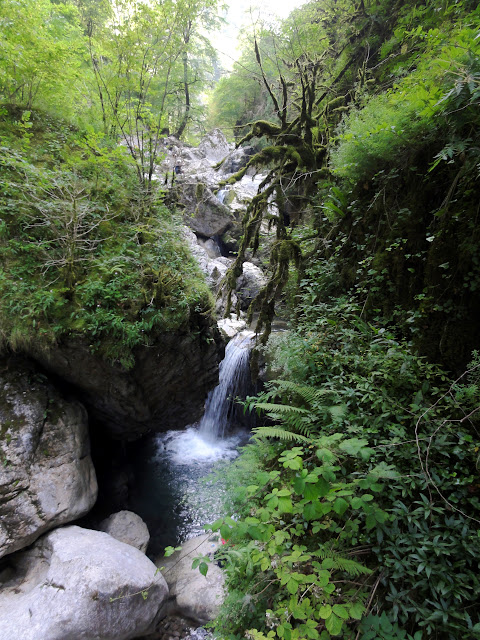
283, 409
339, 562
307, 393
276, 432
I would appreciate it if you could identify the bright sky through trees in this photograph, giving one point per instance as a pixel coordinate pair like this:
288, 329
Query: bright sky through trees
242, 13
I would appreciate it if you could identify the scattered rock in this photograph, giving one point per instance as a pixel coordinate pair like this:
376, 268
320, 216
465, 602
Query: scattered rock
76, 583
193, 595
127, 527
232, 325
175, 626
46, 477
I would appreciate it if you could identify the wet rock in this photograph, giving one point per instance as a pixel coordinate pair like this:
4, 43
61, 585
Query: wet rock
76, 583
46, 477
165, 389
232, 325
193, 595
215, 269
249, 284
127, 527
204, 213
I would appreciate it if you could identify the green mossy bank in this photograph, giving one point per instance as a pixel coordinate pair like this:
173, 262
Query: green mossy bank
82, 252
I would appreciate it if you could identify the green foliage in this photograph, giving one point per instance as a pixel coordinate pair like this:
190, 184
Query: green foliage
286, 554
41, 54
76, 259
391, 477
394, 123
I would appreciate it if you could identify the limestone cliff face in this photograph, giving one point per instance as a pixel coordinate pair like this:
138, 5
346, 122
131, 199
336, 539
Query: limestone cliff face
165, 389
46, 474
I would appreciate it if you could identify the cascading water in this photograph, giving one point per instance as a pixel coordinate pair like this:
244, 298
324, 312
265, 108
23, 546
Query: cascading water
221, 195
170, 492
234, 380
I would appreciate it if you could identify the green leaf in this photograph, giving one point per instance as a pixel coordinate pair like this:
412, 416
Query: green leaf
292, 586
309, 512
285, 505
299, 485
340, 611
325, 611
340, 506
334, 624
323, 578
318, 490
203, 568
356, 610
225, 531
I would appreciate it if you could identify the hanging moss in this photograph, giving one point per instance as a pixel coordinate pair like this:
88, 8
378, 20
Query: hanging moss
200, 190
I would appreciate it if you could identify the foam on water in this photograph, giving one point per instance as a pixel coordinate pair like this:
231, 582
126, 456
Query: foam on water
189, 447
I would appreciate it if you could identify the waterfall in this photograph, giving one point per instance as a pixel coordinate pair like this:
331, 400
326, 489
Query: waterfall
234, 380
221, 195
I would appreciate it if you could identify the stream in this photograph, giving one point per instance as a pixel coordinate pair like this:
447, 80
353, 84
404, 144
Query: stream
171, 491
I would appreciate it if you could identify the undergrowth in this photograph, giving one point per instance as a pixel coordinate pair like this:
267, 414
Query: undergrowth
356, 510
81, 254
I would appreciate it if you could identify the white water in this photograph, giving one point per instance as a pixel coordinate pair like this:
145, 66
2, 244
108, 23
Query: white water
221, 195
190, 448
171, 492
234, 376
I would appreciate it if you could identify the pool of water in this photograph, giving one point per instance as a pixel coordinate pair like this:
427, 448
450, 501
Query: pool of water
171, 489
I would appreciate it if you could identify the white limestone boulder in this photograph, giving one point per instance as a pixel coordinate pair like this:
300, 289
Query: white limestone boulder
191, 594
229, 327
127, 527
77, 584
249, 284
46, 477
214, 146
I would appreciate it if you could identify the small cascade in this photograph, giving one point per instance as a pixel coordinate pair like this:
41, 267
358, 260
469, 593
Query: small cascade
221, 195
234, 380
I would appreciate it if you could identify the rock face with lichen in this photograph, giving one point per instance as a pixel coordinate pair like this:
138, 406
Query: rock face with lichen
46, 477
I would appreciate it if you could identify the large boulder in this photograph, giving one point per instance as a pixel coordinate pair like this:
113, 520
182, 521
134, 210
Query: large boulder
204, 213
214, 146
46, 476
76, 583
127, 527
165, 389
214, 268
249, 284
193, 595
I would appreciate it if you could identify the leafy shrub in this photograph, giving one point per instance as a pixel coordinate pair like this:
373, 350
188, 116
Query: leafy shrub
384, 470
